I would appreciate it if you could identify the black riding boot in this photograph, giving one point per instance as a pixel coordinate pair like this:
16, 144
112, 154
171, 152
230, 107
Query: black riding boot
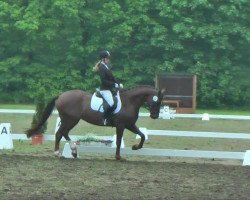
107, 115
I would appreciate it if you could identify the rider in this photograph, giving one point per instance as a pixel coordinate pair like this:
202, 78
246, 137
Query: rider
108, 84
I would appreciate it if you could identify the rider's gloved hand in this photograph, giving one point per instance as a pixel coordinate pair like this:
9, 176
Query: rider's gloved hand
121, 86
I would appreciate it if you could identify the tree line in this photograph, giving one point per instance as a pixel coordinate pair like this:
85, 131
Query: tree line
50, 46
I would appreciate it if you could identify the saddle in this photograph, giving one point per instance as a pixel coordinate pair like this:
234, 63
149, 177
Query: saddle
97, 103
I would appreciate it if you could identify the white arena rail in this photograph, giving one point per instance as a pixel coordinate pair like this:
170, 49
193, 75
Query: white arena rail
196, 134
195, 116
245, 156
167, 152
199, 116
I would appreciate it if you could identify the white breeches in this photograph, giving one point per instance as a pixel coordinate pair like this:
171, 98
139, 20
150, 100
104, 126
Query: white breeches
107, 95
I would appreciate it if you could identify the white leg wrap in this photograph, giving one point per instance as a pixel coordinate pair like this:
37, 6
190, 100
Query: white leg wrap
73, 147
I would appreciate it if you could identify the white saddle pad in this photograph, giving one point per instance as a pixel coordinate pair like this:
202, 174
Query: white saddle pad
96, 103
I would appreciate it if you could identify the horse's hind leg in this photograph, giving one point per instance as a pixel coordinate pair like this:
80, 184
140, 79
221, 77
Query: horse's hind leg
72, 145
66, 126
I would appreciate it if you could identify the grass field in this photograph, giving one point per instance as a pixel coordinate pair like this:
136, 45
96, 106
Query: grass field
20, 122
17, 106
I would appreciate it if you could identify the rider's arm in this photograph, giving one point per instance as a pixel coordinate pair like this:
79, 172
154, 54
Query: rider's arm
103, 75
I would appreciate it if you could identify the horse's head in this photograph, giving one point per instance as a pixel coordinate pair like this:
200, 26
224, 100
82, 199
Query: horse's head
154, 103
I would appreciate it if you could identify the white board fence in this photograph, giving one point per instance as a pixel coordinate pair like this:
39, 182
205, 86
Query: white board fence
197, 116
194, 134
244, 156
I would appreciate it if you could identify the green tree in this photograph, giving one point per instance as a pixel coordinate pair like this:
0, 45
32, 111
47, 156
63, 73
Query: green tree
54, 44
43, 42
210, 40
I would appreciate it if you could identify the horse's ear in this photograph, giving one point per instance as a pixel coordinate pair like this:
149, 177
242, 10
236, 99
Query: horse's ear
161, 93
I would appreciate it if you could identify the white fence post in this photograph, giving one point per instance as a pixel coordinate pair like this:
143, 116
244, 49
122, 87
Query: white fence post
246, 161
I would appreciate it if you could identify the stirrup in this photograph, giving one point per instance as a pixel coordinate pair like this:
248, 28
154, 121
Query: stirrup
104, 122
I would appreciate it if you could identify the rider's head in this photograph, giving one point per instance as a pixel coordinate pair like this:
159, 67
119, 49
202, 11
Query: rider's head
105, 56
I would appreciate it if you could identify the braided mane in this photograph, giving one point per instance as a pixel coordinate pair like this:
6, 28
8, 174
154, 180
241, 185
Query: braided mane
139, 86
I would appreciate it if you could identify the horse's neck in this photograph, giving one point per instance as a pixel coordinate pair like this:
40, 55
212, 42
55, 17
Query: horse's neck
138, 96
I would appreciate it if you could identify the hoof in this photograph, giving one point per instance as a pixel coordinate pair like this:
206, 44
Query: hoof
120, 158
74, 155
135, 147
57, 154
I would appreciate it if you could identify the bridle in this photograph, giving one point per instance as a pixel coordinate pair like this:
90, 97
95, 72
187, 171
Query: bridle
153, 103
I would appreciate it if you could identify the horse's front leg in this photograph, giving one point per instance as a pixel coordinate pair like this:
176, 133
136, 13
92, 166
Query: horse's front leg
119, 134
136, 130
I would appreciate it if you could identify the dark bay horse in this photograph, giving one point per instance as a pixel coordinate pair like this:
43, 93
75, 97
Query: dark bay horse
74, 105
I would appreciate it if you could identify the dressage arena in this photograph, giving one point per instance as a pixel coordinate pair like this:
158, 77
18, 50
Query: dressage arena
32, 172
43, 177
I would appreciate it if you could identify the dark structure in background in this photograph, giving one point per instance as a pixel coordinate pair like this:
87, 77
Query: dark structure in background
181, 91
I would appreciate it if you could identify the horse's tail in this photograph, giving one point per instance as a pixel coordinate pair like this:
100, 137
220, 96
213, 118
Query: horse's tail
46, 113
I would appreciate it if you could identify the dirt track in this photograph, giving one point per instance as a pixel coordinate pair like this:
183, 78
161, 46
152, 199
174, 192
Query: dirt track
32, 177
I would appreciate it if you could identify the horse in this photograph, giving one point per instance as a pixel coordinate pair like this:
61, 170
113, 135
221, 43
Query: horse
74, 105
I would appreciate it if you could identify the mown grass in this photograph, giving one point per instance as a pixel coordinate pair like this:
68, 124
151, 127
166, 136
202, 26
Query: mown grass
21, 122
18, 106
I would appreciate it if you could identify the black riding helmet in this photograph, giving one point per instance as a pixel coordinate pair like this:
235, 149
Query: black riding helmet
104, 54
